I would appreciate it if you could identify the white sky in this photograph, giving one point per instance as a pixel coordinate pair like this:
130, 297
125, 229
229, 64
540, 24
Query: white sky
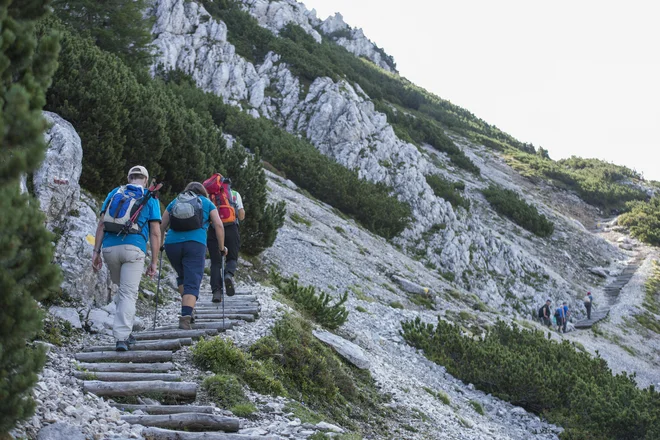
578, 77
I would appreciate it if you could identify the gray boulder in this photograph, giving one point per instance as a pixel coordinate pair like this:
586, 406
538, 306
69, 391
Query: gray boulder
346, 349
599, 271
61, 431
68, 314
409, 286
69, 214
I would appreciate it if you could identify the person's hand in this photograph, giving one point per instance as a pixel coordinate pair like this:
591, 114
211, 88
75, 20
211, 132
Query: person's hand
152, 270
97, 262
224, 251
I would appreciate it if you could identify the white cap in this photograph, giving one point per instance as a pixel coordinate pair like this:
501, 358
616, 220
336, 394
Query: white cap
138, 169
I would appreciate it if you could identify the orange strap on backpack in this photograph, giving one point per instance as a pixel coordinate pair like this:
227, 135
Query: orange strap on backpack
219, 192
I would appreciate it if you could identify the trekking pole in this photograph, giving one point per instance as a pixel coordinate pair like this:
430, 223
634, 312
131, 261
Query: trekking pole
160, 269
222, 281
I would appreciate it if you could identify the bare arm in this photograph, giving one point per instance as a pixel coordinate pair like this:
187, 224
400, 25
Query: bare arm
97, 261
219, 230
241, 214
155, 243
164, 225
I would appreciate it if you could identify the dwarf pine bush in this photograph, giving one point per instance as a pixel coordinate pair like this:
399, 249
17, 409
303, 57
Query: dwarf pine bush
316, 307
552, 379
509, 204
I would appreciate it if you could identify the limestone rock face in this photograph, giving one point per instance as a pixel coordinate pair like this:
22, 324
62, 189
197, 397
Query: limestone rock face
476, 249
69, 214
355, 41
56, 181
275, 15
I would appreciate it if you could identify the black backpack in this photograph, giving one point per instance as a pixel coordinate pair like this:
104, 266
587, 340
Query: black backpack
187, 213
541, 312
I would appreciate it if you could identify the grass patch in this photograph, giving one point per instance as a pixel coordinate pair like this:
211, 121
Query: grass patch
245, 410
359, 294
361, 309
396, 305
297, 218
305, 414
477, 407
307, 302
223, 357
426, 300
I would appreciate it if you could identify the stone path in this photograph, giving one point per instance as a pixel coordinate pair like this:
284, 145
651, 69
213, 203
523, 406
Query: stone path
611, 293
147, 371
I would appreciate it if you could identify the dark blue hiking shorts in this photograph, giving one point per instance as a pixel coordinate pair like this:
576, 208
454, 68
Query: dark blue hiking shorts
188, 260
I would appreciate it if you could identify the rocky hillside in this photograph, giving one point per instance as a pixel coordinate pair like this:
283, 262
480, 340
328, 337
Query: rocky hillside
459, 259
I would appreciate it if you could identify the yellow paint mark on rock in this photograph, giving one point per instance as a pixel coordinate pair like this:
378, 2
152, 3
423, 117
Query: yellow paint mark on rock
91, 239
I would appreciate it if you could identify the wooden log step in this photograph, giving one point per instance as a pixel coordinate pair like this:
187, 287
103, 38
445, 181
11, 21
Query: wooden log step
220, 326
165, 434
228, 302
175, 334
206, 297
127, 367
164, 409
126, 377
172, 344
245, 310
188, 421
186, 390
125, 356
215, 316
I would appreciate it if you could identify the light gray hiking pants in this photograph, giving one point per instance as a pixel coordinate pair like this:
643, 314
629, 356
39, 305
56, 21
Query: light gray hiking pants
126, 264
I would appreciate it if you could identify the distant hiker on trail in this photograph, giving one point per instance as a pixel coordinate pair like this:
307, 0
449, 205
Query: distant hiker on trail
231, 211
129, 218
544, 314
567, 314
588, 300
188, 218
559, 317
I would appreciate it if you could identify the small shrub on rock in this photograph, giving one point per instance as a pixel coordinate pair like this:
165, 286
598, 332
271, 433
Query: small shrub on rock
315, 307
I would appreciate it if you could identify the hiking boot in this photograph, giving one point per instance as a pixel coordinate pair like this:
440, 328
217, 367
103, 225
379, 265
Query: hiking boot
131, 340
184, 322
121, 346
217, 296
229, 285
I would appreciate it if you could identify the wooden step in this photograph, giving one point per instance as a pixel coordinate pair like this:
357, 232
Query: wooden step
175, 334
228, 309
216, 316
186, 390
126, 377
220, 326
172, 344
164, 409
234, 304
165, 434
188, 421
127, 367
206, 298
124, 356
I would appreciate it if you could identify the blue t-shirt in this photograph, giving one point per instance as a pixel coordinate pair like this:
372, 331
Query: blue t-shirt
150, 213
560, 312
565, 310
198, 235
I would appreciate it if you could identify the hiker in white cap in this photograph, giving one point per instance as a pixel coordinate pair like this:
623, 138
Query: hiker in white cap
129, 218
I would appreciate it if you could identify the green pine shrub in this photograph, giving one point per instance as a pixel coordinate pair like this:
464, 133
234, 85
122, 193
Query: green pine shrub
119, 26
26, 251
313, 306
565, 385
509, 204
223, 357
643, 220
597, 182
448, 190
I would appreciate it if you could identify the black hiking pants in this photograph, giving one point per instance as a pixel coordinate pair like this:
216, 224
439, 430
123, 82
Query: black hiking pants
232, 243
587, 305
